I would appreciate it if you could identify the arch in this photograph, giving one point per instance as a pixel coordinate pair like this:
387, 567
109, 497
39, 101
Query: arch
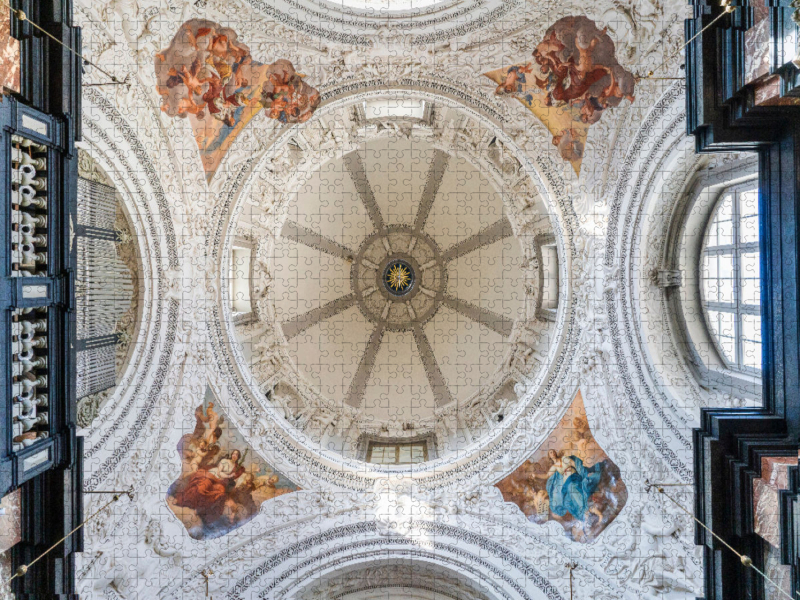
145, 200
660, 131
488, 566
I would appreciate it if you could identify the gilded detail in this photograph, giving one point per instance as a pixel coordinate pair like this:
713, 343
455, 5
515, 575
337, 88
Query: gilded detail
399, 278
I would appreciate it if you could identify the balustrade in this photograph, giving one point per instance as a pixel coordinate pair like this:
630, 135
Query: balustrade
28, 208
29, 344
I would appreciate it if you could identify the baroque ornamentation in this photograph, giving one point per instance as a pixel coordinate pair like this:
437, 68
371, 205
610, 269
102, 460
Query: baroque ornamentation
321, 419
185, 221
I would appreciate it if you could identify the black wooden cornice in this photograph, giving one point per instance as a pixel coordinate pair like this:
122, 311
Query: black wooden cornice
45, 115
723, 116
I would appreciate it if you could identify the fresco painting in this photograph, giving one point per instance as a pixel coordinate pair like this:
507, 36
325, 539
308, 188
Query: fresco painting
223, 482
573, 78
208, 76
569, 479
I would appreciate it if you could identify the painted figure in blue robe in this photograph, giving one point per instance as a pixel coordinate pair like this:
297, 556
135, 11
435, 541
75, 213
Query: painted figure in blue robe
570, 484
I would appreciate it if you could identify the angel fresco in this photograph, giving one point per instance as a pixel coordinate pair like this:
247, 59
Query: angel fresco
219, 488
286, 96
570, 479
573, 78
581, 69
209, 76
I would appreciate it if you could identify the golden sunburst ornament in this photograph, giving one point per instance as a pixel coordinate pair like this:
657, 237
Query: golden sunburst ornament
399, 277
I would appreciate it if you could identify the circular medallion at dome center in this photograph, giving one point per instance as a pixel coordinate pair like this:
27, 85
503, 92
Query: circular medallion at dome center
398, 278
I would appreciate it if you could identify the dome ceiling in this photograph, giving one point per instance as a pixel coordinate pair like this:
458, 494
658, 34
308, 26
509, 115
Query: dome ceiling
397, 356
396, 288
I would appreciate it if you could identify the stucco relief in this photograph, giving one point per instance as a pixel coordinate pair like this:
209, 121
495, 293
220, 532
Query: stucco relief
322, 420
133, 442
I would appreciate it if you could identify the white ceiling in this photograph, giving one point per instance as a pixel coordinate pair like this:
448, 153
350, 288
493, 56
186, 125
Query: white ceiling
328, 353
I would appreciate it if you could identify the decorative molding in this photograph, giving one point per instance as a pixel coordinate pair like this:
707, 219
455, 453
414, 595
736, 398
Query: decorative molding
665, 278
365, 530
319, 411
192, 338
651, 139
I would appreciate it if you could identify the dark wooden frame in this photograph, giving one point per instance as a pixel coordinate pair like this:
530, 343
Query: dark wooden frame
51, 493
729, 444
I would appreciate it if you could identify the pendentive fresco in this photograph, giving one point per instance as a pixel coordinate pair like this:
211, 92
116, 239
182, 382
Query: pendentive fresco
209, 76
222, 481
574, 76
569, 479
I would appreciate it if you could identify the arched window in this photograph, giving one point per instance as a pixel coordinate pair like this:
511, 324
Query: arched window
730, 278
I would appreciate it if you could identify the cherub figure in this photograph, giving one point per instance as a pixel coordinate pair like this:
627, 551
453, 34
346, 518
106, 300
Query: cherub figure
515, 80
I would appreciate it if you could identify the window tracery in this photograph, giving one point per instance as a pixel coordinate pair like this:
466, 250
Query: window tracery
730, 279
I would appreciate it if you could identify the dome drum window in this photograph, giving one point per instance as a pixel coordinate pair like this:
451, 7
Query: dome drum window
547, 257
240, 277
397, 451
396, 108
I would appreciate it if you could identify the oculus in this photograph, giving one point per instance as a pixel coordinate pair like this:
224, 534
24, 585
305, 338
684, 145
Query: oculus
398, 278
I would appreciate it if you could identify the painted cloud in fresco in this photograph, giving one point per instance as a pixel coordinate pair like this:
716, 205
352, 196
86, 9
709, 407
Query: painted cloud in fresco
205, 70
573, 78
288, 98
569, 479
581, 66
222, 481
209, 76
